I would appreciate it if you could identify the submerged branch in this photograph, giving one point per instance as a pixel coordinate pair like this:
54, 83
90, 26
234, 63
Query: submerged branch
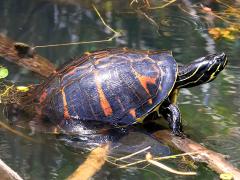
115, 35
7, 173
199, 153
18, 133
214, 160
92, 164
148, 6
133, 154
163, 6
149, 158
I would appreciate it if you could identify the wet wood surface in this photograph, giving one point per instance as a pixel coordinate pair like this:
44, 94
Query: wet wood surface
23, 55
7, 173
94, 162
214, 160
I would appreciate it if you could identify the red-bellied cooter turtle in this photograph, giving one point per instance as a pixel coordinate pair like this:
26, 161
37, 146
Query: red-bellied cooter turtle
121, 87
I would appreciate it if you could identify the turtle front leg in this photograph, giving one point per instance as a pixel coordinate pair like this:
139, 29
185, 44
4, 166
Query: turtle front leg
172, 114
174, 95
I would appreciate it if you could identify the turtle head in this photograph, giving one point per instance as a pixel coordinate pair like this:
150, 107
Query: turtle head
214, 65
202, 70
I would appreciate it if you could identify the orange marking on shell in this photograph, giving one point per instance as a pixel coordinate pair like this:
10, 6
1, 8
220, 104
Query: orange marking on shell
71, 72
103, 100
145, 80
65, 105
150, 101
43, 96
101, 55
133, 112
97, 62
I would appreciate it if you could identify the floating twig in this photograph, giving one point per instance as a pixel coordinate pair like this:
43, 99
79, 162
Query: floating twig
166, 168
115, 35
214, 160
163, 6
148, 6
133, 154
160, 158
151, 20
18, 133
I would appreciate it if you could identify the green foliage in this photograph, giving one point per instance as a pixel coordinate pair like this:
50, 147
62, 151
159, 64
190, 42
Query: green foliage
22, 88
3, 72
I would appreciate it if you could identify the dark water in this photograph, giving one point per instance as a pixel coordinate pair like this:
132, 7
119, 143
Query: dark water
210, 112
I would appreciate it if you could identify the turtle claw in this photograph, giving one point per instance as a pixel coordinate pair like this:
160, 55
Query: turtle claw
178, 132
177, 129
172, 114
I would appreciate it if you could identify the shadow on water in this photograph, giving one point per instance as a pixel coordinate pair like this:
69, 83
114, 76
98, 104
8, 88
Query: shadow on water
210, 112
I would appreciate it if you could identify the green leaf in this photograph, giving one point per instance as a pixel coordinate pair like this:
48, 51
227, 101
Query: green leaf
226, 176
23, 88
3, 72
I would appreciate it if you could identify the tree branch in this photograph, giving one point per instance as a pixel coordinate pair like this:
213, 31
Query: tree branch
94, 162
214, 160
7, 173
20, 54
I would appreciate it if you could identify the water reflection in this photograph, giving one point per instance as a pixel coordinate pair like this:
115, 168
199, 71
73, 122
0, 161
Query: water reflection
210, 110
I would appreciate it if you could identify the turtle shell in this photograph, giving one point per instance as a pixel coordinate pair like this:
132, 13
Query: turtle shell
118, 86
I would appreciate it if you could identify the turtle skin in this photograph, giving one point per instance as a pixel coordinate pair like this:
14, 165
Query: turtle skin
116, 86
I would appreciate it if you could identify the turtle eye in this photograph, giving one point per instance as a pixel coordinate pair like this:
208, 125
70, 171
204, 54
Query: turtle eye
221, 57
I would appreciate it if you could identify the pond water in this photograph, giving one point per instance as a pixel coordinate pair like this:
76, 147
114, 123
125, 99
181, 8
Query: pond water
210, 112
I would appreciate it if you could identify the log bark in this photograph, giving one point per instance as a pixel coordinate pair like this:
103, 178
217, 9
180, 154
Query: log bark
33, 61
7, 173
214, 160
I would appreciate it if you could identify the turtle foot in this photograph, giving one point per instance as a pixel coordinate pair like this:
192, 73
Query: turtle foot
179, 133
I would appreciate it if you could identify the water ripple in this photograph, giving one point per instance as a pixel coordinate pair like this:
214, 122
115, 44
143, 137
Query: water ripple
170, 25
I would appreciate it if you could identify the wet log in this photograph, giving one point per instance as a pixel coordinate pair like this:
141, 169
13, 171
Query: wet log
25, 56
94, 162
214, 160
7, 173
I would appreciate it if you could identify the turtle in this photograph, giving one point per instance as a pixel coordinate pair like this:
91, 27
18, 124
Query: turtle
121, 87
